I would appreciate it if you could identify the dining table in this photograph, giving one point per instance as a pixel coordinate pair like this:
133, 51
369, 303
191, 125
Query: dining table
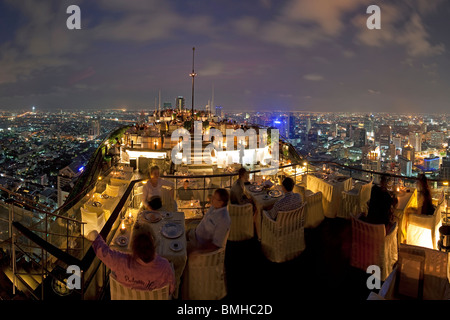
331, 187
192, 209
262, 199
168, 229
407, 198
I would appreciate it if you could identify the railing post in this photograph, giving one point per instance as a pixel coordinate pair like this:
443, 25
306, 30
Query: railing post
204, 192
13, 254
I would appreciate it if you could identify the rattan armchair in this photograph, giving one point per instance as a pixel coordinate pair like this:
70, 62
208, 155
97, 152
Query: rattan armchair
355, 201
284, 238
120, 292
204, 276
241, 222
372, 246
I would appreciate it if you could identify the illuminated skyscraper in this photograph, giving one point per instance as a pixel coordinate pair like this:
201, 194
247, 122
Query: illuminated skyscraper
415, 140
180, 103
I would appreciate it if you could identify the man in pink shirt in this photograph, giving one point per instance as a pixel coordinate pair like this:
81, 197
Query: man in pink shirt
144, 269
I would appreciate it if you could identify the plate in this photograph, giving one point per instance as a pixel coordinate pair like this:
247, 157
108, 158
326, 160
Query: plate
171, 230
275, 193
176, 246
104, 196
122, 241
255, 188
96, 204
152, 216
167, 215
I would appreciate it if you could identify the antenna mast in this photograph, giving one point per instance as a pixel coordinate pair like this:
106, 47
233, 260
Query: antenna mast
193, 74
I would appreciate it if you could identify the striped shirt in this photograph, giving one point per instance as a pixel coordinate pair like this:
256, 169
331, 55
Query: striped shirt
290, 201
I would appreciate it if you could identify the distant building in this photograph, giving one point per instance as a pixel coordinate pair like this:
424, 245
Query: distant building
397, 141
66, 179
405, 166
436, 138
409, 153
359, 137
431, 163
94, 129
167, 105
445, 168
180, 103
384, 135
415, 140
219, 111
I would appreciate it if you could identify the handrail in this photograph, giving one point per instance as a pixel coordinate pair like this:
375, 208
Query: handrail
373, 172
58, 253
45, 212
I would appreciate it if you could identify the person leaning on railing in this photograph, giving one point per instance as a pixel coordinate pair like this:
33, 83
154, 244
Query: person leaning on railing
212, 231
143, 269
154, 186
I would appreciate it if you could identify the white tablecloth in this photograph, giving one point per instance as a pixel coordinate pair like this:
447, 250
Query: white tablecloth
331, 193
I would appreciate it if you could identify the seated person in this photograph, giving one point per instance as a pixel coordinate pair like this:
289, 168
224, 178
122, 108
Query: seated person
211, 233
237, 192
155, 203
290, 201
185, 193
143, 269
154, 186
382, 205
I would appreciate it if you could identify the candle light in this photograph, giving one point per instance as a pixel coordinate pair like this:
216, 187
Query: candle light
398, 189
192, 203
122, 227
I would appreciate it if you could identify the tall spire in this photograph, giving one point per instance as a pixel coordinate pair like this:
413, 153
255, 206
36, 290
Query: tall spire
212, 101
193, 74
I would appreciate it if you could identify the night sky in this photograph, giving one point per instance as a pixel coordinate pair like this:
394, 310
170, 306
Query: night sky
290, 55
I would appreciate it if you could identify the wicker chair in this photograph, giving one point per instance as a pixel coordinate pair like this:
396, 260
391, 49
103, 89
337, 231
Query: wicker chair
204, 276
423, 230
241, 222
94, 220
371, 246
112, 191
436, 285
284, 238
355, 201
314, 209
119, 292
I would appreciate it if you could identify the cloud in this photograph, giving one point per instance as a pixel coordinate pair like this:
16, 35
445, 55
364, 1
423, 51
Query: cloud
313, 77
374, 92
415, 38
396, 30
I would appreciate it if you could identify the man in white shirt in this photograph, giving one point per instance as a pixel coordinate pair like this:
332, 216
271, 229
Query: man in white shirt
153, 187
212, 232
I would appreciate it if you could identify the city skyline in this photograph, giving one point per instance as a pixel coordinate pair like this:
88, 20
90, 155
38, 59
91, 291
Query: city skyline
292, 55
